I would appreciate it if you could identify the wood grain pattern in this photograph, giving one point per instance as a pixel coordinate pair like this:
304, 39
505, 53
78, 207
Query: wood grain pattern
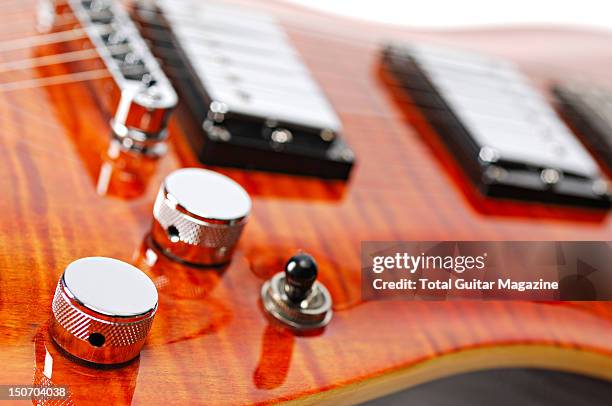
210, 342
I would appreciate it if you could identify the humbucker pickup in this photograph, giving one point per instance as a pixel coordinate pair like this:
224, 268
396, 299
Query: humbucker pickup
246, 88
501, 130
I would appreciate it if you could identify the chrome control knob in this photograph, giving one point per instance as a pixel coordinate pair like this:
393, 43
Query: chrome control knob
199, 215
102, 310
295, 297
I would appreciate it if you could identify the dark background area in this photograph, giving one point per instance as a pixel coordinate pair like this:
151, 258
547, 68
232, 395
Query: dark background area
505, 387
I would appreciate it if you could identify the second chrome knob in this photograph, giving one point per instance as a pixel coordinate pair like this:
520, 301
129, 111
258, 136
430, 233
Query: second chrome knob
199, 215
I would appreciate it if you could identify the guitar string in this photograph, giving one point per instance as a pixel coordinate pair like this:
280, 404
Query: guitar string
65, 57
299, 24
364, 40
58, 58
54, 58
62, 79
73, 34
361, 40
14, 26
50, 38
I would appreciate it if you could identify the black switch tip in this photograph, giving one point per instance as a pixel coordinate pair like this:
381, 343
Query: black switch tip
300, 274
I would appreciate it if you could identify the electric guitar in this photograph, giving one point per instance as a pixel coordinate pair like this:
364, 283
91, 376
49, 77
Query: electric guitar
72, 190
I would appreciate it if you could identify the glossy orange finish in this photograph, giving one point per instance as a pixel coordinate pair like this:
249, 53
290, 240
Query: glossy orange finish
64, 198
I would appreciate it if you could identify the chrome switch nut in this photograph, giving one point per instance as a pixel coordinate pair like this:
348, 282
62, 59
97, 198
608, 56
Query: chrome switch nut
102, 310
199, 215
295, 297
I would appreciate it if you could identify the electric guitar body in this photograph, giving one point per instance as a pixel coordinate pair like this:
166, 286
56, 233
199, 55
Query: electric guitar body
66, 196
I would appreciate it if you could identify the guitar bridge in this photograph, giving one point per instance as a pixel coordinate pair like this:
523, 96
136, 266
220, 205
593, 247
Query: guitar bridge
143, 97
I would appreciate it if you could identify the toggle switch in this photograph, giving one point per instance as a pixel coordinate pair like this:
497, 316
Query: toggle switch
199, 215
295, 297
102, 310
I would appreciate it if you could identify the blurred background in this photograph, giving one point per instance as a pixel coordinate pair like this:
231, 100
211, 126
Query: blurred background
449, 14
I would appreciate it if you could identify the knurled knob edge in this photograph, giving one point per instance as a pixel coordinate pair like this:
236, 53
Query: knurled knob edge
72, 325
